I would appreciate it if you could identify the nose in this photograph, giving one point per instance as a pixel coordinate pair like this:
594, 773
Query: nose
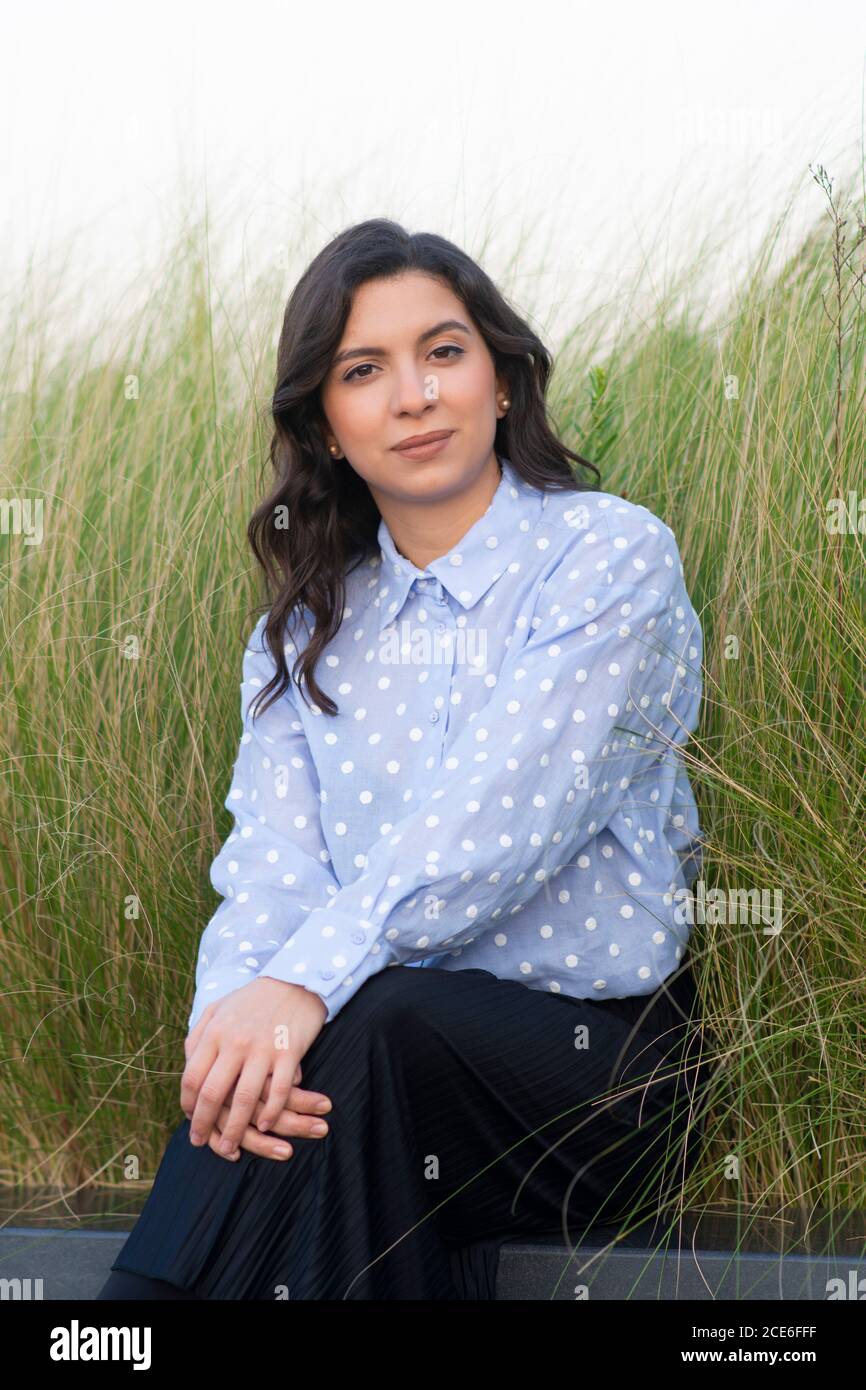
414, 390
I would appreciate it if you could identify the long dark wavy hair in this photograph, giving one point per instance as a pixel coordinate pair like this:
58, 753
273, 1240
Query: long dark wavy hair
332, 518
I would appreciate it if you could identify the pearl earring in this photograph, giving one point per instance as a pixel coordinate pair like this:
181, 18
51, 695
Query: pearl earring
505, 403
334, 449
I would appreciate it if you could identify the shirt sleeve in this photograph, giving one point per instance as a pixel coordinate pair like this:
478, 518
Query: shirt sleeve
584, 710
274, 867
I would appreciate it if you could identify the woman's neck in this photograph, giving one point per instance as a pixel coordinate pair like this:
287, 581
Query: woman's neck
425, 531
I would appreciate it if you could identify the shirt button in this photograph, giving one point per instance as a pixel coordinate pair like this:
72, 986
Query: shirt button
358, 938
440, 627
327, 974
434, 717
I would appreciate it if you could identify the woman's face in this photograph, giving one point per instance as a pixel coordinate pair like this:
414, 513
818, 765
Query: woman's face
395, 378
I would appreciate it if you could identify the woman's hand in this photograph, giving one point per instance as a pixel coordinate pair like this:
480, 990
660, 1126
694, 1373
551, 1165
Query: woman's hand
257, 1033
306, 1110
298, 1121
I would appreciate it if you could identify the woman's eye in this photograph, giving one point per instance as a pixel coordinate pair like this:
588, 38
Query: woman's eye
366, 366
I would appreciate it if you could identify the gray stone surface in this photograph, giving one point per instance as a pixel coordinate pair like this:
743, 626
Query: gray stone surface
74, 1265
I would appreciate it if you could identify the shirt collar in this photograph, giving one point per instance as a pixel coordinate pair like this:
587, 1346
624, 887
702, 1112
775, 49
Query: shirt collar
479, 557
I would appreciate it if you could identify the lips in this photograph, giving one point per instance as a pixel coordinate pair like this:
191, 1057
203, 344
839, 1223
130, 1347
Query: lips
417, 441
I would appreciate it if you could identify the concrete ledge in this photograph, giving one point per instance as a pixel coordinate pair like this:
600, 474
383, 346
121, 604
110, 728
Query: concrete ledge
547, 1271
74, 1264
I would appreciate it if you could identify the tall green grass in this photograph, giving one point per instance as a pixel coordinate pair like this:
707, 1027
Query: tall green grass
122, 635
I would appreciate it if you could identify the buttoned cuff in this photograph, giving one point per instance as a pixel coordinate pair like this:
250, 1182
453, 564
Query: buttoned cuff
323, 953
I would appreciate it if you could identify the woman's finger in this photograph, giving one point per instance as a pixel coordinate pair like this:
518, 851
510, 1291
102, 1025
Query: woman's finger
195, 1033
199, 1063
304, 1102
212, 1090
288, 1122
279, 1090
248, 1090
262, 1145
213, 1141
300, 1112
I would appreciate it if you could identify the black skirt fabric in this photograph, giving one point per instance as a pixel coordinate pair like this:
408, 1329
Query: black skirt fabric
467, 1111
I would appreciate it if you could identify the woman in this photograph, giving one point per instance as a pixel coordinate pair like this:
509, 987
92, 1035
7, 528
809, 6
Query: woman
472, 768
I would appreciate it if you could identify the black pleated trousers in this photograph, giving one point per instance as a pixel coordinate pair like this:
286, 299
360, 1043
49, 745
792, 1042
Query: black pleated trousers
467, 1111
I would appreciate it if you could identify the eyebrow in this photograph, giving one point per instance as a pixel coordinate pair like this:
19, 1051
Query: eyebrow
446, 324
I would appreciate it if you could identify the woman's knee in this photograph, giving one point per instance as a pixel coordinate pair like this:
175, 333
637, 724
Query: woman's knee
386, 995
390, 1004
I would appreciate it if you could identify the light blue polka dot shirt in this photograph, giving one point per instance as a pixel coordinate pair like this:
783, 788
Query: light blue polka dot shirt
502, 787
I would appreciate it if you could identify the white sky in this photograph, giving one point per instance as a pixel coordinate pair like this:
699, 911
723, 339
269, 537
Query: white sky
608, 132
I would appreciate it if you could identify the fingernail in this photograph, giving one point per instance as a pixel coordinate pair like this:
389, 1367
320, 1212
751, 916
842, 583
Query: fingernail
196, 1137
323, 1107
281, 1150
226, 1146
318, 1128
